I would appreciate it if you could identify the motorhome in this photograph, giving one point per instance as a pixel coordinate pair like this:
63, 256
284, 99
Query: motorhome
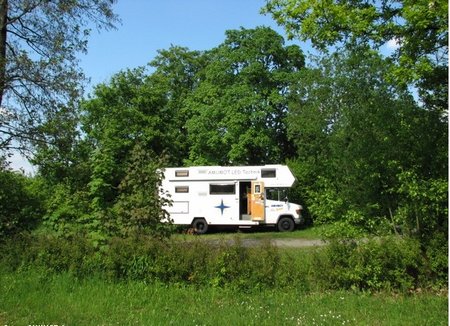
241, 196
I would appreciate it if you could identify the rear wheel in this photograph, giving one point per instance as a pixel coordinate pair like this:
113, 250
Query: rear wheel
200, 226
285, 224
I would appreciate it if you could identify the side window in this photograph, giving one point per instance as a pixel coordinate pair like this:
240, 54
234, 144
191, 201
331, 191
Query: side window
222, 189
182, 173
182, 189
268, 173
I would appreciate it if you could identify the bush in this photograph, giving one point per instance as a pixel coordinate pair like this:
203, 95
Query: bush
423, 208
437, 258
391, 263
20, 207
50, 254
379, 264
137, 208
66, 210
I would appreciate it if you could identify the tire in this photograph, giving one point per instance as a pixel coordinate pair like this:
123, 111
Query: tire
285, 224
200, 226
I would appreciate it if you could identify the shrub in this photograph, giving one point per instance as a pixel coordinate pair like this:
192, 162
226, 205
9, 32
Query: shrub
66, 210
379, 264
390, 263
423, 209
132, 258
138, 206
20, 207
437, 258
50, 254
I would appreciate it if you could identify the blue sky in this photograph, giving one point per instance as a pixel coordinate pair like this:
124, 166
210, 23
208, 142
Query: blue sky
151, 25
148, 26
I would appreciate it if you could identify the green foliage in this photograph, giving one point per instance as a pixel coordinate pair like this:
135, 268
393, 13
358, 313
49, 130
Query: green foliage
129, 124
66, 211
247, 269
51, 254
369, 157
354, 132
419, 28
326, 205
64, 155
393, 264
378, 264
239, 107
20, 203
195, 262
437, 255
139, 204
424, 206
39, 63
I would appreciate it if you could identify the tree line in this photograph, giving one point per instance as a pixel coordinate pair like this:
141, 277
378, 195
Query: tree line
364, 133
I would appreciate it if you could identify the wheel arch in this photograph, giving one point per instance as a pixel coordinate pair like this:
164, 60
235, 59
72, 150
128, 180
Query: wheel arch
285, 215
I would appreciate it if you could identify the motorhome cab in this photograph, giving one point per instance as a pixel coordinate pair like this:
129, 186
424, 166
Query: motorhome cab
242, 196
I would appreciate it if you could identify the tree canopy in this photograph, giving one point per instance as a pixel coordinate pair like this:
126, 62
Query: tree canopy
39, 74
238, 110
356, 134
419, 30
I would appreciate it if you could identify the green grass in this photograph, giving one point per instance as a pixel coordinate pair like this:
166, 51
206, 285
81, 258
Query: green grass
31, 298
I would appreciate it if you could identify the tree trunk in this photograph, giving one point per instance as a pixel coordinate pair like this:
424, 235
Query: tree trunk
3, 34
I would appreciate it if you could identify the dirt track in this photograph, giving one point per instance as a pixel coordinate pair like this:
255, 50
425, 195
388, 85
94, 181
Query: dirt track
284, 243
297, 243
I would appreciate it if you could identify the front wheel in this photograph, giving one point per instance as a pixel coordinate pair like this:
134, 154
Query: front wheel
285, 224
200, 226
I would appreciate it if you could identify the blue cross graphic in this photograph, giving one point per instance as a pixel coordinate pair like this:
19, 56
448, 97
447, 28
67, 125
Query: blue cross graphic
221, 207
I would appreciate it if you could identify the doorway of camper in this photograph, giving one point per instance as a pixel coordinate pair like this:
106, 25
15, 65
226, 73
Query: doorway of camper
244, 200
251, 201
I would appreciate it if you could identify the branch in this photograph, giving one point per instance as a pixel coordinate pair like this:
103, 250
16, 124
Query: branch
29, 8
12, 135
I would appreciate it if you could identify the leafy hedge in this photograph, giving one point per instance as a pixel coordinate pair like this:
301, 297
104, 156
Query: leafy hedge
394, 264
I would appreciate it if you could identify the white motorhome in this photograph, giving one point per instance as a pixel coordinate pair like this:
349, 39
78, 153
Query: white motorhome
242, 196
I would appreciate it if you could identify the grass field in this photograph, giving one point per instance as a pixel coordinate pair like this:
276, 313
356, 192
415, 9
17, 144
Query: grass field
31, 298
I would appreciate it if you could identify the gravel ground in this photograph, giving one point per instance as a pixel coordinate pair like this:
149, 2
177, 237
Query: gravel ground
297, 243
284, 243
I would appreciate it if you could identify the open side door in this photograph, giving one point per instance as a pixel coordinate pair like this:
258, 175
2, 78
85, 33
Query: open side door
257, 201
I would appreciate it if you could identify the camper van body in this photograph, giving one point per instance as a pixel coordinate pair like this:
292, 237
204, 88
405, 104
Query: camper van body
242, 196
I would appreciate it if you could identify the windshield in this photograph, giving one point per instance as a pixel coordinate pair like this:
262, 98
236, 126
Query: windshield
278, 194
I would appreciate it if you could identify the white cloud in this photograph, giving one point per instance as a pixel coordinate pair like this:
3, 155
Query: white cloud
18, 162
393, 43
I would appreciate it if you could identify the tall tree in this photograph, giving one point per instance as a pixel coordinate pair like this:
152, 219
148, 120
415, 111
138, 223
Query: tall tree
127, 110
130, 127
178, 71
239, 106
39, 43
